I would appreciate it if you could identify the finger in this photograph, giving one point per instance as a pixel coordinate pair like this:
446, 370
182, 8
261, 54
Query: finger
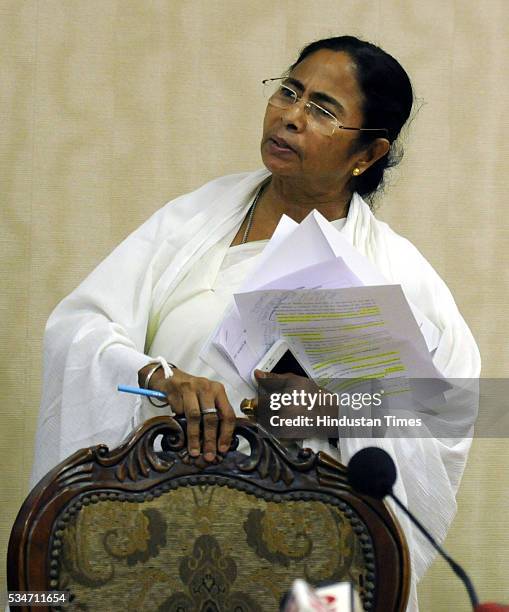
262, 375
259, 374
176, 402
209, 425
270, 381
193, 417
174, 397
227, 420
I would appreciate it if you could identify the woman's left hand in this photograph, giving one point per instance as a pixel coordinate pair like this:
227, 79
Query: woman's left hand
270, 383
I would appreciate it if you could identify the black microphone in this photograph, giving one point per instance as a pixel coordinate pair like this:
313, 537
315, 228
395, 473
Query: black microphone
371, 471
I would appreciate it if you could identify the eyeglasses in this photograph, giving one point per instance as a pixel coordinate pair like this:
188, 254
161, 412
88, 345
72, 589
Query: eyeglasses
319, 118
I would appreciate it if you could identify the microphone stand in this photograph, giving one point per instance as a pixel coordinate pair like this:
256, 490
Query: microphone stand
372, 471
457, 569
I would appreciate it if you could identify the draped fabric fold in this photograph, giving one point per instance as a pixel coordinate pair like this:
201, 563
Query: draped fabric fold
96, 338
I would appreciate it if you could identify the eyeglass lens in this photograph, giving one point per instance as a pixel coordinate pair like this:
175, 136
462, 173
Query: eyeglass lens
284, 97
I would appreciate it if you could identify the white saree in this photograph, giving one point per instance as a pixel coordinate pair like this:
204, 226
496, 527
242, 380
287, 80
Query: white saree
99, 335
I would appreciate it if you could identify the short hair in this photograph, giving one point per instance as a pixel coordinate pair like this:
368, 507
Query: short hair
387, 101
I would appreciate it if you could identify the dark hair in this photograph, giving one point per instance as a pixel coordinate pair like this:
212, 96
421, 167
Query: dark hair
388, 99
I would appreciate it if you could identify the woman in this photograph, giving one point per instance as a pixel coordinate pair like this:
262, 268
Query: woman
328, 136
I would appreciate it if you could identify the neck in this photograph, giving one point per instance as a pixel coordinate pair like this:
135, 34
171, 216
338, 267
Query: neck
297, 200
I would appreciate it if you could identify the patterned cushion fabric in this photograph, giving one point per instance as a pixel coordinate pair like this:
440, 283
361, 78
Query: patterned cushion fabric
204, 548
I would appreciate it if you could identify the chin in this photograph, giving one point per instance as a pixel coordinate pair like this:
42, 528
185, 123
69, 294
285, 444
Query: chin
279, 167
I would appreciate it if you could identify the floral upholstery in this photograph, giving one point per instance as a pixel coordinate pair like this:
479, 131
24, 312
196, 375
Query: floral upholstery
204, 548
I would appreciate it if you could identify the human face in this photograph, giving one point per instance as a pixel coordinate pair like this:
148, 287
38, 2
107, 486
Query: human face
291, 148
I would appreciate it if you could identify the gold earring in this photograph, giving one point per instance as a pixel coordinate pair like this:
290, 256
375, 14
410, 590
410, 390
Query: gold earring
356, 171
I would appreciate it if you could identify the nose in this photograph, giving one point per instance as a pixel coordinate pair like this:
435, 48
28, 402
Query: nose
295, 116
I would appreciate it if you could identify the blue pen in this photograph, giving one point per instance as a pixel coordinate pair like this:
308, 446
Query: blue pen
140, 391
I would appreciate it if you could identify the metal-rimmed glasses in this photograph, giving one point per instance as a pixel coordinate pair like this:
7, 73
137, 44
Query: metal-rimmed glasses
319, 118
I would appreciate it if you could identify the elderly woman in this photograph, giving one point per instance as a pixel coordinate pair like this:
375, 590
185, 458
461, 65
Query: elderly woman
328, 136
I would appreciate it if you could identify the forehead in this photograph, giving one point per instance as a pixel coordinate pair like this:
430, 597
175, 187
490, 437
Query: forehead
331, 72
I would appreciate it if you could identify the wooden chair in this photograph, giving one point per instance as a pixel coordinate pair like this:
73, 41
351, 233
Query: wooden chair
140, 529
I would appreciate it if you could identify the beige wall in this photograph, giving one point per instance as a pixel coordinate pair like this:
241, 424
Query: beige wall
109, 108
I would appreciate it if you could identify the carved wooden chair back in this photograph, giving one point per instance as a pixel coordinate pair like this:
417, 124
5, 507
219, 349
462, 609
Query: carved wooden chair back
139, 529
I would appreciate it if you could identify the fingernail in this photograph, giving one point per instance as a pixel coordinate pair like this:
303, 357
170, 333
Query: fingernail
260, 374
224, 448
209, 456
194, 452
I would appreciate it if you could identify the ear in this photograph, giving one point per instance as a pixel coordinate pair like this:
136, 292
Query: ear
371, 154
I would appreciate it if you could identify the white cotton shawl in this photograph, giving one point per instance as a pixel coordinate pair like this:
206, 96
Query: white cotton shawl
97, 337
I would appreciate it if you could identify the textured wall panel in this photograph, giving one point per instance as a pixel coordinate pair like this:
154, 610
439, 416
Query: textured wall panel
110, 108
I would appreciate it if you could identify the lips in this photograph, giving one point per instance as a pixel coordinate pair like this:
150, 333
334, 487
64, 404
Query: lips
283, 145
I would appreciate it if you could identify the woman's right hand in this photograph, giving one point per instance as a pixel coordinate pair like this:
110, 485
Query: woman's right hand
190, 395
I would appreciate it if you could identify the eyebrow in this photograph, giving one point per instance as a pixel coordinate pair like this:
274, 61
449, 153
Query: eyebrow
317, 95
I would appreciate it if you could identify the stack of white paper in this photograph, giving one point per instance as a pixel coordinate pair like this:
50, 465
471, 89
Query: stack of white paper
330, 303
